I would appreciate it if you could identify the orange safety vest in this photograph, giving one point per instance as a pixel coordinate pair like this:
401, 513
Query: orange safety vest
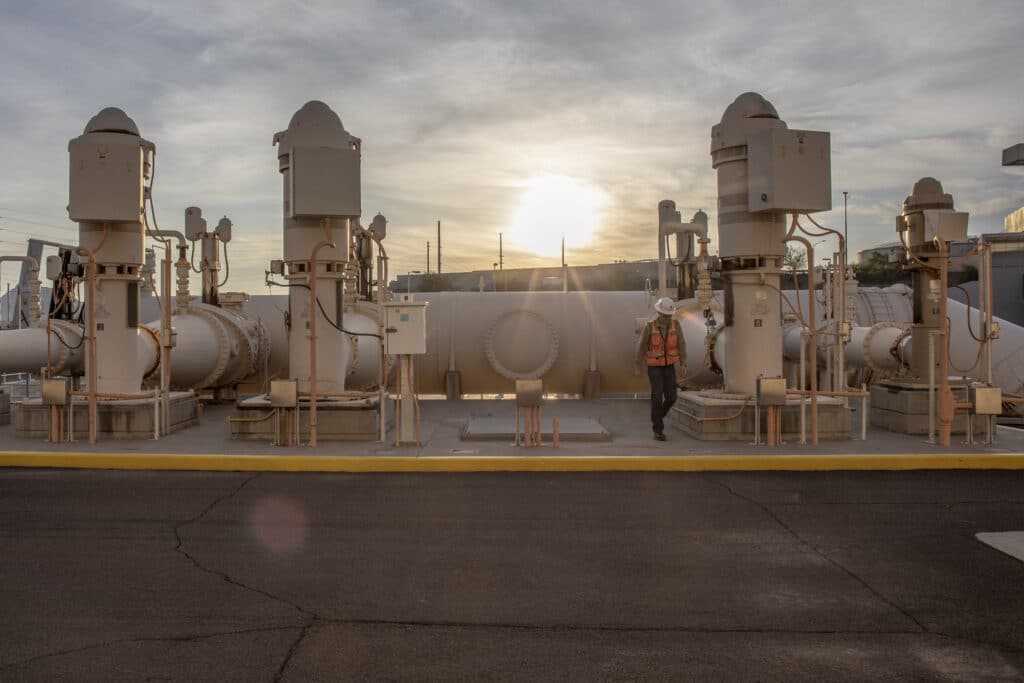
658, 352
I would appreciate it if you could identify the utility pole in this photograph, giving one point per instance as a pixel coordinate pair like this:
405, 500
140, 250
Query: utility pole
428, 258
501, 257
439, 247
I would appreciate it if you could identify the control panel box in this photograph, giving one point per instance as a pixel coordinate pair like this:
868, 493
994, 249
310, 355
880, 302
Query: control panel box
529, 392
986, 400
405, 326
771, 391
789, 171
325, 181
106, 181
55, 391
284, 393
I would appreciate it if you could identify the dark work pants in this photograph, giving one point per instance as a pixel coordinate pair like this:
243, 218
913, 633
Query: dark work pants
663, 393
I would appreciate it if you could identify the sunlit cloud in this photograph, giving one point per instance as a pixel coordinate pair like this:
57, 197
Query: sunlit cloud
461, 104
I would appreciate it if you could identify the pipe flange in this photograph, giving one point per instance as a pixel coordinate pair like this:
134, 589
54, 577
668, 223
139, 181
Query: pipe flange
866, 346
543, 367
63, 328
156, 359
222, 346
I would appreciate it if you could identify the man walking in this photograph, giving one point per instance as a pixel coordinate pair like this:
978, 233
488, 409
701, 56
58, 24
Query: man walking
663, 348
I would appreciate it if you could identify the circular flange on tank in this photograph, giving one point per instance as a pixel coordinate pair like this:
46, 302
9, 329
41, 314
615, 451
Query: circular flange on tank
521, 345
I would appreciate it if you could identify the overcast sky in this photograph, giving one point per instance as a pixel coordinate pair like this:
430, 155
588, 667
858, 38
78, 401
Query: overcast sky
460, 104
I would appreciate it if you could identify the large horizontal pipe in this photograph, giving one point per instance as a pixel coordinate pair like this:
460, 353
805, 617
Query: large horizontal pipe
489, 336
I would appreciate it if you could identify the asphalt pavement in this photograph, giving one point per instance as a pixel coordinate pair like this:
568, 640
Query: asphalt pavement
191, 576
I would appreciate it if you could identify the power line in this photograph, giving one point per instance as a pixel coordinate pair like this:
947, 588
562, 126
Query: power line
43, 225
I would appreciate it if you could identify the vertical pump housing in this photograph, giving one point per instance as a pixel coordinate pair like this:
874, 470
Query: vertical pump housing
765, 170
110, 163
320, 167
927, 217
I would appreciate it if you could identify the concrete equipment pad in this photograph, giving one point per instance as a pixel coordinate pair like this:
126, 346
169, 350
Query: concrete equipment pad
1009, 542
493, 428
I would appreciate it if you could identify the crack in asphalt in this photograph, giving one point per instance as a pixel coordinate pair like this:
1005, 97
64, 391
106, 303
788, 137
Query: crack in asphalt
820, 553
294, 648
144, 639
312, 617
180, 549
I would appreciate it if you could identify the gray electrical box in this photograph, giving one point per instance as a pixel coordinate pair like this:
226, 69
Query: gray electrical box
55, 391
986, 400
405, 326
325, 181
106, 180
284, 393
771, 391
789, 171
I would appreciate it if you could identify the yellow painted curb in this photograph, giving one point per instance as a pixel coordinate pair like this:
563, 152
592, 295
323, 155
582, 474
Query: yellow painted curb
630, 463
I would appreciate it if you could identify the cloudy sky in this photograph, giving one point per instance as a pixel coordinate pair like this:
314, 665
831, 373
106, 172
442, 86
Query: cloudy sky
463, 105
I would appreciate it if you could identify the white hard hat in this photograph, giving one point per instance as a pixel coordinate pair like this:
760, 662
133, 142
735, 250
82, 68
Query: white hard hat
665, 306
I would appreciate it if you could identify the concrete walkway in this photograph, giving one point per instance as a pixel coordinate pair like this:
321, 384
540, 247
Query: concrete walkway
627, 421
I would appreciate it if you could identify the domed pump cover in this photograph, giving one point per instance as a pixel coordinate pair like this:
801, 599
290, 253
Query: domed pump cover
748, 113
379, 226
928, 215
108, 168
322, 160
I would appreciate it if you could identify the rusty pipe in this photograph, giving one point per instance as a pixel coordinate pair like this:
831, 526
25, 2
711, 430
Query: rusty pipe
947, 405
812, 336
314, 316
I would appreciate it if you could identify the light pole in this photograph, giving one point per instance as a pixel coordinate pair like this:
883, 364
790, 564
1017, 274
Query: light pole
494, 274
846, 233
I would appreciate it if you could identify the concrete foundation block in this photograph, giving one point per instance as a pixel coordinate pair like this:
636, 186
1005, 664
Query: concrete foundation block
121, 419
903, 407
253, 419
717, 417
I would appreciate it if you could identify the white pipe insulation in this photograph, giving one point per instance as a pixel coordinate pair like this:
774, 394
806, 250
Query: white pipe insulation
492, 337
25, 350
216, 347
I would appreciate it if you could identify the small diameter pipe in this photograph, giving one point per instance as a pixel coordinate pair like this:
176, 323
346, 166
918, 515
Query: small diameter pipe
803, 377
812, 330
844, 259
931, 385
946, 401
314, 315
91, 290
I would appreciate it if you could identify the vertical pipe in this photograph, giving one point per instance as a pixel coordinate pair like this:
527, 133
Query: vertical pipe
803, 375
314, 317
864, 413
946, 404
92, 375
757, 421
931, 386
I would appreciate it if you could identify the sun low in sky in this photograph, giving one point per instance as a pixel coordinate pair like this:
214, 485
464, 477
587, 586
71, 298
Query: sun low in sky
554, 206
